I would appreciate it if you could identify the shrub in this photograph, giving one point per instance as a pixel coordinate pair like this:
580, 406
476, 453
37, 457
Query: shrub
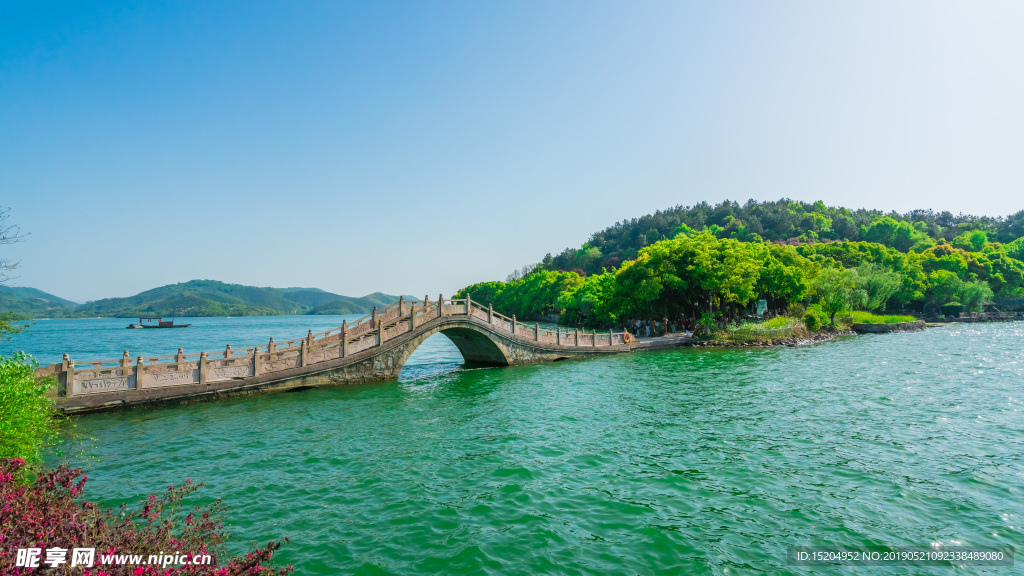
707, 323
813, 319
774, 329
778, 322
27, 419
50, 513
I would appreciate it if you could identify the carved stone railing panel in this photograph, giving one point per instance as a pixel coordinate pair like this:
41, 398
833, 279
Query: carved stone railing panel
362, 344
395, 331
320, 355
281, 364
164, 379
227, 372
99, 385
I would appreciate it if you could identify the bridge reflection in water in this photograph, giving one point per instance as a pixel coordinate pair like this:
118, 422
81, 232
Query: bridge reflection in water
373, 348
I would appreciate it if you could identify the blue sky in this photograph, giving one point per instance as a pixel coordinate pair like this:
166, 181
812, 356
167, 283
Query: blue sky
415, 147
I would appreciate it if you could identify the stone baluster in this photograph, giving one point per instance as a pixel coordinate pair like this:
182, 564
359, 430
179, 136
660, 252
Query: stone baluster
373, 317
611, 339
125, 360
576, 338
203, 367
401, 306
309, 339
536, 332
490, 313
270, 346
227, 351
412, 316
558, 335
469, 305
513, 324
380, 332
344, 339
179, 359
303, 353
257, 361
67, 370
139, 369
440, 305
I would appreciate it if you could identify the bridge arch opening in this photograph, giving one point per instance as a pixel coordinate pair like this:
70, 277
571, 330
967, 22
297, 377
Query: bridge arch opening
448, 350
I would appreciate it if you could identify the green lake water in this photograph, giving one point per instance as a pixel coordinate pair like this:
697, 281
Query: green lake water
690, 461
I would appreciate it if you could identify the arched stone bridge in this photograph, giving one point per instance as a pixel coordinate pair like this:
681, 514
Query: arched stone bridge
374, 348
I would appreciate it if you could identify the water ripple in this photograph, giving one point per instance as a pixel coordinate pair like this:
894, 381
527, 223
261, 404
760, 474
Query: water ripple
678, 462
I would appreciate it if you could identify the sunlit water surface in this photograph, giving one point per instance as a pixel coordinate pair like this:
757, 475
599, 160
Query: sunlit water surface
679, 462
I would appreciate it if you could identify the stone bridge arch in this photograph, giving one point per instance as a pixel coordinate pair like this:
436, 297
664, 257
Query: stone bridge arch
475, 345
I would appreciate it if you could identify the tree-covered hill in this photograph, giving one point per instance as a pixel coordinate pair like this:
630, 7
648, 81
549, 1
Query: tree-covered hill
194, 298
779, 221
712, 262
32, 303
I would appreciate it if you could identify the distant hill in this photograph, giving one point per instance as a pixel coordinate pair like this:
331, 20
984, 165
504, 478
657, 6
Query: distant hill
194, 298
364, 305
32, 303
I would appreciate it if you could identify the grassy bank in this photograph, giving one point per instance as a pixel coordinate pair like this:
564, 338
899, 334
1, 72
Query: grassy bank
859, 317
789, 328
779, 328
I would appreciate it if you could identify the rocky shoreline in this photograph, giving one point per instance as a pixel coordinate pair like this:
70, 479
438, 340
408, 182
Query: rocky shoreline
792, 341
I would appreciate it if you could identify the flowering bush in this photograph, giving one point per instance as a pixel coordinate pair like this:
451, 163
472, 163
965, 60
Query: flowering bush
50, 513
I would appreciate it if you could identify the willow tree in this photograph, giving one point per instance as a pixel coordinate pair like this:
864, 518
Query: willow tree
837, 291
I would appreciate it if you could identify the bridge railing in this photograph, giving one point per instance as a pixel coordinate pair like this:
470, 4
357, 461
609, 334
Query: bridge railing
543, 335
365, 333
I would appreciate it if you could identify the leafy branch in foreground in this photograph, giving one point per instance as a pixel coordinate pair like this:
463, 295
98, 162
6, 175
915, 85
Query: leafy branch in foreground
50, 513
27, 419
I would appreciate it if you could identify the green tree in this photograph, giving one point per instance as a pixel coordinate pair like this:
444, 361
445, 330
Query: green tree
900, 235
971, 241
878, 284
688, 274
484, 292
945, 286
855, 254
973, 295
589, 303
1015, 249
836, 291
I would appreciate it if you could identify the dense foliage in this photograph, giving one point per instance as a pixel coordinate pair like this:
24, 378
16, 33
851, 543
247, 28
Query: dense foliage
50, 513
709, 277
27, 422
790, 222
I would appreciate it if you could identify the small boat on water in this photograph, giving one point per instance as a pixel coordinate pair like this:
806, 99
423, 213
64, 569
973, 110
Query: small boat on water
159, 323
